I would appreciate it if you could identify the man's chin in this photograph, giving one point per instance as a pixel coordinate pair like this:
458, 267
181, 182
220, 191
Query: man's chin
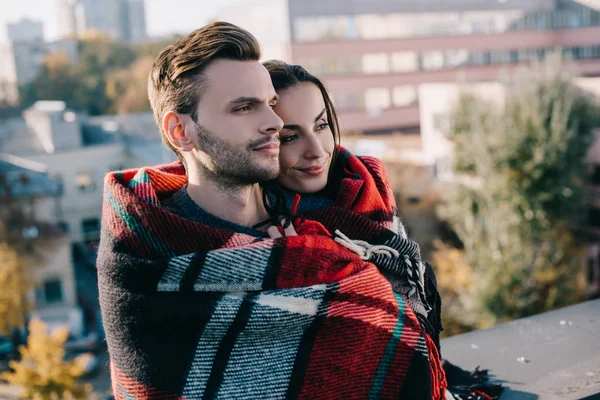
268, 170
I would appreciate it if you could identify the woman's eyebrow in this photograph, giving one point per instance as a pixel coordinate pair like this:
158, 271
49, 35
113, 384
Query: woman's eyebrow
320, 115
297, 127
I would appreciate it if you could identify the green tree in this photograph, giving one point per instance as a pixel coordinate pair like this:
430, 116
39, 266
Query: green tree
43, 372
522, 170
98, 57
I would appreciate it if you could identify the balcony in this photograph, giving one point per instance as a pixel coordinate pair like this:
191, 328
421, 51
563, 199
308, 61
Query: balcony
555, 355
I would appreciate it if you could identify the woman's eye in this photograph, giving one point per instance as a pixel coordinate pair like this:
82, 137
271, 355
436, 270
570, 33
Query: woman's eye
322, 126
272, 106
288, 138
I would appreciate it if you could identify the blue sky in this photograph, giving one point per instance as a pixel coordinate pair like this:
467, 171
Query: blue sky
162, 16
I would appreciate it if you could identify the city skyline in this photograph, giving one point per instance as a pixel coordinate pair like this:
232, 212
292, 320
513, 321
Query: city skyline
162, 18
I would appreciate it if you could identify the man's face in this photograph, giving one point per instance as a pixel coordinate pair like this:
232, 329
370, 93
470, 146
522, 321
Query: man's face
238, 141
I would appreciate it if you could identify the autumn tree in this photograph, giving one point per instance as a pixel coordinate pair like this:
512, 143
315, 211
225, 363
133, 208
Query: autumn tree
128, 88
42, 371
15, 283
109, 76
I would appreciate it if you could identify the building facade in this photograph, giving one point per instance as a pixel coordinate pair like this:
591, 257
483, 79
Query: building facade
29, 200
78, 151
117, 19
25, 30
375, 54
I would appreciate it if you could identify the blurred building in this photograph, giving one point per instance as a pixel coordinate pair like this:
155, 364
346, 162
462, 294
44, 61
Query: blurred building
268, 20
29, 200
25, 30
118, 19
78, 151
375, 54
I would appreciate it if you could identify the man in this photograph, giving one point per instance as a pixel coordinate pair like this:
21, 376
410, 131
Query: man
198, 304
214, 106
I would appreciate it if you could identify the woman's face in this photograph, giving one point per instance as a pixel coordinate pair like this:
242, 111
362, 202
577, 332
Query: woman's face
306, 139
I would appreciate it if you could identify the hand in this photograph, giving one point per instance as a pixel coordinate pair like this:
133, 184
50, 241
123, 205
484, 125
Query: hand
274, 233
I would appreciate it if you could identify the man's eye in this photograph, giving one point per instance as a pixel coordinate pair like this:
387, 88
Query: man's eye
244, 108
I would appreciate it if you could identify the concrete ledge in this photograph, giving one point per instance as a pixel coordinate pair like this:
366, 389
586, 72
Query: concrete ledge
555, 355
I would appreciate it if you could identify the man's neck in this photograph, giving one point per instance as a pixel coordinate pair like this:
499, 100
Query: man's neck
242, 205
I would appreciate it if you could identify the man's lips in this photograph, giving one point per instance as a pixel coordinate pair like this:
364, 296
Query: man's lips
270, 148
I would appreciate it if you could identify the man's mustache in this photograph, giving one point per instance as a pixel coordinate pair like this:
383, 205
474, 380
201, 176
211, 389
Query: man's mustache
263, 141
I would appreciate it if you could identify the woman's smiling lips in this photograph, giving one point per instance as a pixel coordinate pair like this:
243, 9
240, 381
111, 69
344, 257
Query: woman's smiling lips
314, 170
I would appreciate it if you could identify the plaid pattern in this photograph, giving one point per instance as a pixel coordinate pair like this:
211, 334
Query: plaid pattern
195, 312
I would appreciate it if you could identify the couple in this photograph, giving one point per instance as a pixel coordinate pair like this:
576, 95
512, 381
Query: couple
269, 262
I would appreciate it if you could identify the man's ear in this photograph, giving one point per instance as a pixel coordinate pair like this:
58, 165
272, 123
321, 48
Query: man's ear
177, 134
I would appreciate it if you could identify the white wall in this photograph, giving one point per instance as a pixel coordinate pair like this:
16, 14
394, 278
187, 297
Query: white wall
76, 205
436, 102
267, 20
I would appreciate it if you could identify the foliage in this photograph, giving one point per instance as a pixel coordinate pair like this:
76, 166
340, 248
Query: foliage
15, 283
521, 168
109, 76
42, 371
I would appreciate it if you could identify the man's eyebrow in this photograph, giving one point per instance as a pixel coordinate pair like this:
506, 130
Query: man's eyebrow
249, 99
297, 127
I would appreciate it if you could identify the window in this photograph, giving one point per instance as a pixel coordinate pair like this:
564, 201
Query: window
377, 63
403, 96
431, 60
349, 101
63, 226
456, 58
500, 57
441, 122
85, 181
312, 29
90, 225
480, 58
405, 61
377, 99
53, 291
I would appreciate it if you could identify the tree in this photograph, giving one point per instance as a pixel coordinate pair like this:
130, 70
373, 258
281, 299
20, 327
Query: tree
128, 88
15, 283
56, 80
522, 172
43, 372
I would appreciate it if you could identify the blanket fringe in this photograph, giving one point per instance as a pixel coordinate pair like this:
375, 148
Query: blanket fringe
438, 376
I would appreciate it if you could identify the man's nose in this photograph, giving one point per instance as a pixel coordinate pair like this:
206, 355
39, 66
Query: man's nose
272, 124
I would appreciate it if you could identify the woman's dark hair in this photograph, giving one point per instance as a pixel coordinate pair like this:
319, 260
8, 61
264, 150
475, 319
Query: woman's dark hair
285, 76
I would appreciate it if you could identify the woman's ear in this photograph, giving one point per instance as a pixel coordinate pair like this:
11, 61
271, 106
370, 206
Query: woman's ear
176, 132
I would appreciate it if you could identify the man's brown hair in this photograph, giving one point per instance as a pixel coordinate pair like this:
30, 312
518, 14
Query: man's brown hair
175, 81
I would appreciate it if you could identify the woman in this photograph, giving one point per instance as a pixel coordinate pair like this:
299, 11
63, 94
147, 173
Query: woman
319, 174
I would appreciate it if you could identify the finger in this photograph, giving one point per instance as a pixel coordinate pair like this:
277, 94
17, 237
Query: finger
290, 230
274, 232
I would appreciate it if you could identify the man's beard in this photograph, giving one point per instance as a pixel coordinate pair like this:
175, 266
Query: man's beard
231, 166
